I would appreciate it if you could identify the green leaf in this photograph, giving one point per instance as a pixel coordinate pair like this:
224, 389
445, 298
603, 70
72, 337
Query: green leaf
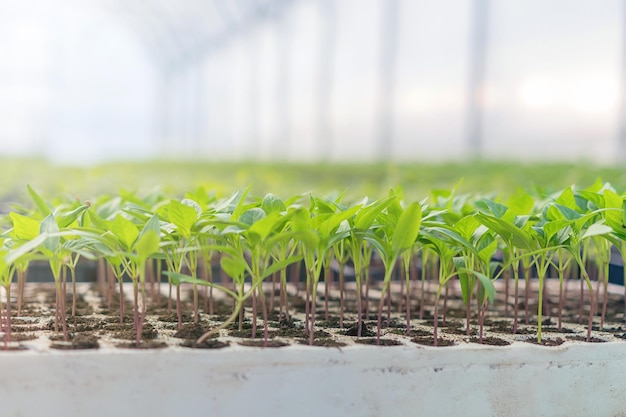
49, 227
272, 203
485, 282
331, 224
590, 200
487, 285
280, 265
147, 245
42, 206
567, 212
597, 186
182, 216
492, 207
467, 285
455, 239
308, 238
521, 203
365, 217
263, 227
304, 233
614, 218
193, 204
66, 219
567, 199
509, 232
24, 227
240, 207
394, 209
407, 228
552, 228
252, 216
152, 224
466, 226
178, 279
321, 206
125, 231
488, 251
234, 267
27, 247
200, 196
382, 246
596, 229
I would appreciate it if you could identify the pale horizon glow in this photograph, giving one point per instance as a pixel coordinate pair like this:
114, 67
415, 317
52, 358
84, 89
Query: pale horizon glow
80, 81
583, 93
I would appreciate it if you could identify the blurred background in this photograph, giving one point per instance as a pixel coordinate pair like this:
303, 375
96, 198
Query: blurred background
88, 81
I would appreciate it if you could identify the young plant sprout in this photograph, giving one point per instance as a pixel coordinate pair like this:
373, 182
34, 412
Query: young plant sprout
483, 242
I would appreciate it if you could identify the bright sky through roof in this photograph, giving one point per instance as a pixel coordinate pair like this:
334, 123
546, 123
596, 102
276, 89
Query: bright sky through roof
83, 81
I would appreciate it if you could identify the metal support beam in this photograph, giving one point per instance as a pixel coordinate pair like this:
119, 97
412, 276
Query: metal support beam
281, 143
476, 82
620, 155
387, 83
325, 75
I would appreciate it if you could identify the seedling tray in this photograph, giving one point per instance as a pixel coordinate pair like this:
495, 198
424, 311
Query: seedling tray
351, 377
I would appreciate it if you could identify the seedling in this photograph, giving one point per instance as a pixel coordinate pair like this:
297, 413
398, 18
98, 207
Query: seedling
477, 240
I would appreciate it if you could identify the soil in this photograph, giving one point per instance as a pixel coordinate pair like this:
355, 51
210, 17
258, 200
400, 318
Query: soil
547, 342
430, 341
96, 323
143, 345
80, 341
492, 341
261, 343
354, 331
207, 344
584, 339
322, 342
191, 331
382, 342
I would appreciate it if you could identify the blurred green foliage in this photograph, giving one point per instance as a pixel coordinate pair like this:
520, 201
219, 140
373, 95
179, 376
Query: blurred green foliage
356, 180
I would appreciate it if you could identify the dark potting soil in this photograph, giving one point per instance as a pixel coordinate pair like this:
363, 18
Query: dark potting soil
207, 344
412, 332
301, 333
557, 330
491, 341
608, 329
460, 330
21, 337
191, 331
161, 324
261, 343
546, 341
375, 342
584, 339
430, 341
142, 345
78, 342
31, 327
59, 337
322, 342
128, 332
245, 325
521, 329
442, 324
290, 323
331, 323
247, 333
353, 330
172, 317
